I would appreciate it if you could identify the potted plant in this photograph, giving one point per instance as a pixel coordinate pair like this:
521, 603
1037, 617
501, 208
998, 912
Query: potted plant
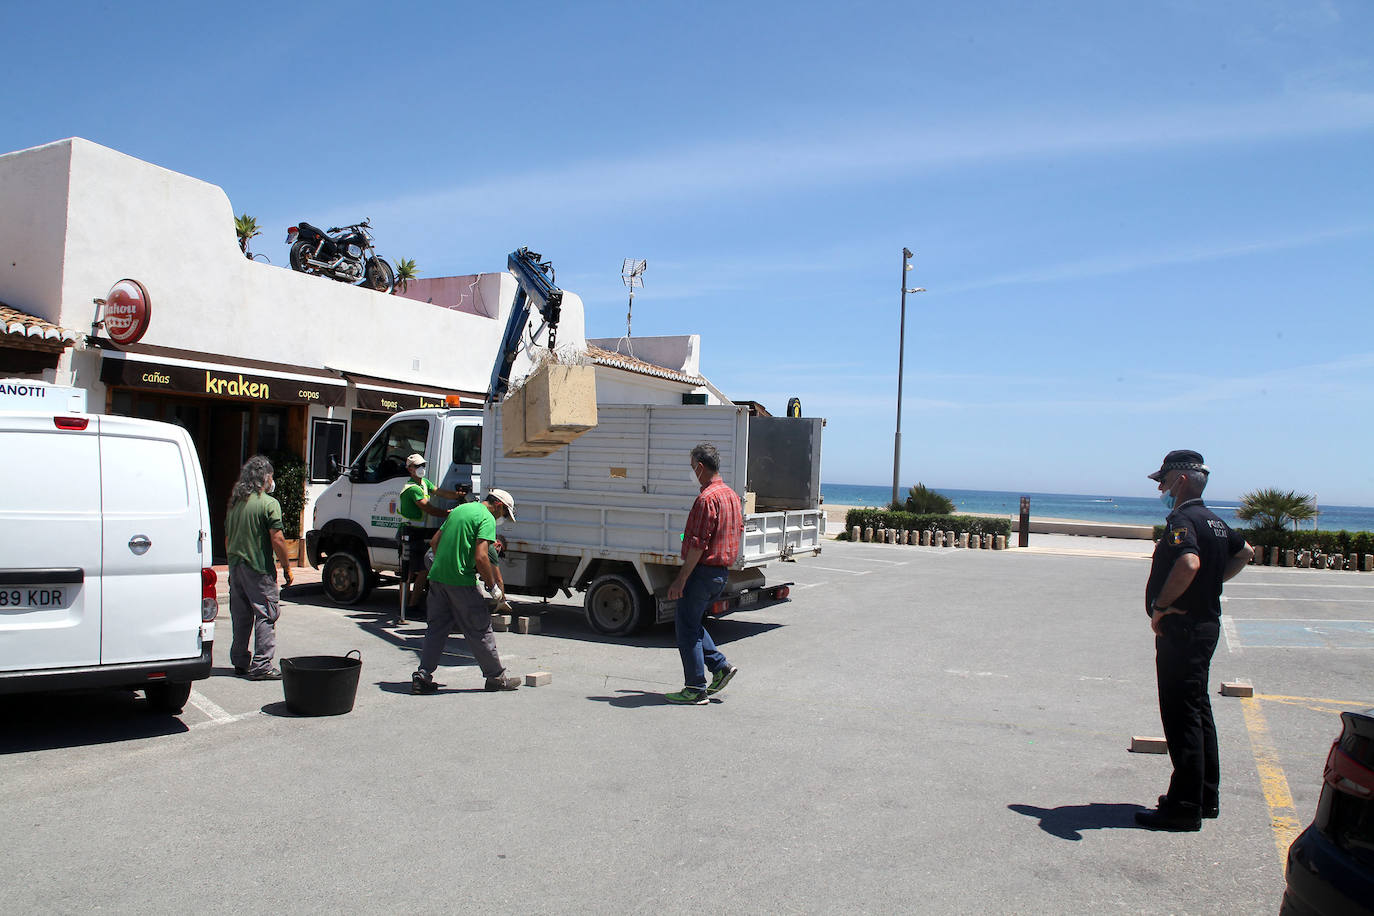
289, 475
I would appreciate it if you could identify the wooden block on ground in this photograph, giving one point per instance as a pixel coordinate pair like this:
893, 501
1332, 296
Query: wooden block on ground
1237, 690
538, 679
1143, 745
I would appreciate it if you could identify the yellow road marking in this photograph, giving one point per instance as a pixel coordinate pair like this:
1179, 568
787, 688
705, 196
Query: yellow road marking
1283, 817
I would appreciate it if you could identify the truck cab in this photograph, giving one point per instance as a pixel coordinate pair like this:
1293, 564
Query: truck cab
356, 522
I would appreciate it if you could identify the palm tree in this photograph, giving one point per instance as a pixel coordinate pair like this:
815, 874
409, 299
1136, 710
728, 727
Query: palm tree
405, 272
925, 501
246, 227
1274, 510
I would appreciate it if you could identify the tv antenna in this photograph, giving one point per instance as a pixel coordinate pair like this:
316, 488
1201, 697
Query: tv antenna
632, 274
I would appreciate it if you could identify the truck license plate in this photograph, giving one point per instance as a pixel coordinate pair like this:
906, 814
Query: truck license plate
32, 597
748, 598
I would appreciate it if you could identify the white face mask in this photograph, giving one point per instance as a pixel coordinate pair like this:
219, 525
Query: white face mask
692, 473
271, 486
420, 470
500, 521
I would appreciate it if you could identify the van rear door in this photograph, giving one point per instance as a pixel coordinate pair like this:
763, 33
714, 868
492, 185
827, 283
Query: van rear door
152, 542
50, 583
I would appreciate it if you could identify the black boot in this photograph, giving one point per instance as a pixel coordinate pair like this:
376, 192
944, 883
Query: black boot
1168, 816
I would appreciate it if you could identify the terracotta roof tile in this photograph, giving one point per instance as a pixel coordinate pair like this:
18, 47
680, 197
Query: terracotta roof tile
601, 357
20, 329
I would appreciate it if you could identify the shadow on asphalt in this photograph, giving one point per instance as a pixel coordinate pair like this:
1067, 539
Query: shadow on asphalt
1068, 821
47, 721
635, 699
377, 615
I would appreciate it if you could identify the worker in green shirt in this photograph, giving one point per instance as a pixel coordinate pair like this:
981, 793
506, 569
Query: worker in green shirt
461, 556
252, 534
414, 506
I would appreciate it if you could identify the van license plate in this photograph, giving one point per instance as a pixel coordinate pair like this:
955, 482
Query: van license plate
32, 597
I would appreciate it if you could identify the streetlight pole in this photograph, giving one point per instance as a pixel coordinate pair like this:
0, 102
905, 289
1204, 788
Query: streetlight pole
901, 358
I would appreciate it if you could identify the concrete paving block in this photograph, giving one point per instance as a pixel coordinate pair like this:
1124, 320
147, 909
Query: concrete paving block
1236, 689
1143, 745
538, 679
500, 623
525, 625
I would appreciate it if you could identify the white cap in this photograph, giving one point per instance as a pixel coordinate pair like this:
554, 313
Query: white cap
415, 459
504, 499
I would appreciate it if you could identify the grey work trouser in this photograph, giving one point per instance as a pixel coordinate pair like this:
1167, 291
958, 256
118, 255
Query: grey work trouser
463, 607
253, 610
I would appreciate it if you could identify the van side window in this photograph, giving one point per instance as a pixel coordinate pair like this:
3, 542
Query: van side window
467, 445
151, 479
386, 457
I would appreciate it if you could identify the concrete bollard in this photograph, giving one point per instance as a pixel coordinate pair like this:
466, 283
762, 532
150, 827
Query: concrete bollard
854, 534
1287, 558
937, 539
891, 536
868, 535
949, 538
1352, 562
1000, 543
963, 539
1273, 556
987, 542
1368, 565
972, 541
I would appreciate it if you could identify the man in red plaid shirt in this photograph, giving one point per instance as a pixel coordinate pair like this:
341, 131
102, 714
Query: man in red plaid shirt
710, 546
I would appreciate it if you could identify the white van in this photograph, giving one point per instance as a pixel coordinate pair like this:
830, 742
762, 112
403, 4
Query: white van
105, 569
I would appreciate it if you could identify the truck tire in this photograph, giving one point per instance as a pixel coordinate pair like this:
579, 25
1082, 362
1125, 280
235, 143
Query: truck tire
346, 579
615, 605
167, 699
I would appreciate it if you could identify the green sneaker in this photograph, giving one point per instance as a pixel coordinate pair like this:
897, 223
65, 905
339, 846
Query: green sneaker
720, 679
688, 696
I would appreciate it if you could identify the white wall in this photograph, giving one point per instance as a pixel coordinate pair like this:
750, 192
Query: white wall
33, 227
79, 216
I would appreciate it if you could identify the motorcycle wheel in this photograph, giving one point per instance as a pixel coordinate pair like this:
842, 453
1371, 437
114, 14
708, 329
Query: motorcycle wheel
299, 253
378, 275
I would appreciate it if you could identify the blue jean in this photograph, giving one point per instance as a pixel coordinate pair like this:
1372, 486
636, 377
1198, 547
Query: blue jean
694, 644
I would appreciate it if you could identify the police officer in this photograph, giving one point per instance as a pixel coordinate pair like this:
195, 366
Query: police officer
1197, 553
414, 505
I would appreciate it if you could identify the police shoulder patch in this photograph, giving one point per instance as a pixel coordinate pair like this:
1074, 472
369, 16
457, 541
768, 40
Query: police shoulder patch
1178, 535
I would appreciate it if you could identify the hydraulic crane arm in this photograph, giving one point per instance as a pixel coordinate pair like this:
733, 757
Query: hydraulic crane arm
536, 290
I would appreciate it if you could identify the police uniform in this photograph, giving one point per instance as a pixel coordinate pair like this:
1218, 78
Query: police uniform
1184, 647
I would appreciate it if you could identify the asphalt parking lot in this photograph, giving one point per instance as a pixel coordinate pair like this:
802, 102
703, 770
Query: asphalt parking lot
918, 730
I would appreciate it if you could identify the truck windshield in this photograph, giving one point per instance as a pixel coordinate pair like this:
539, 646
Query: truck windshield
467, 445
386, 457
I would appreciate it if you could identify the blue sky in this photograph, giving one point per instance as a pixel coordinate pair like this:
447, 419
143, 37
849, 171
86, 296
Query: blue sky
1141, 226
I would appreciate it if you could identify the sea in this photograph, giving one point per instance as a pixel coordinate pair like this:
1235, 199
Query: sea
1125, 510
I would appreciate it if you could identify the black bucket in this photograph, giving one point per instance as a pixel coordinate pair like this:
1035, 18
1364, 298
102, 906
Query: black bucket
321, 685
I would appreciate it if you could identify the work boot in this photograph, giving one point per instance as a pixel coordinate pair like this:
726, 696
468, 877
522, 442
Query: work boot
422, 683
1208, 811
502, 682
1178, 818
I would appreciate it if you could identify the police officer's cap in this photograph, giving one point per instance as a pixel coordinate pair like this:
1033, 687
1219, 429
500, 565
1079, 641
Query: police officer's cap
1179, 460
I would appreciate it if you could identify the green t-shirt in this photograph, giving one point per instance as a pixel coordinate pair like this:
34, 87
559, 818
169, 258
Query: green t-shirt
454, 560
409, 503
248, 532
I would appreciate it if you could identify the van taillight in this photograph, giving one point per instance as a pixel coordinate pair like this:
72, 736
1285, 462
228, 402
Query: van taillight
70, 422
1347, 774
209, 597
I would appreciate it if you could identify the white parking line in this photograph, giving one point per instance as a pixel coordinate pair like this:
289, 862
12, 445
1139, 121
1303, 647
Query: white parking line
1228, 630
834, 569
1235, 585
812, 584
209, 707
1323, 600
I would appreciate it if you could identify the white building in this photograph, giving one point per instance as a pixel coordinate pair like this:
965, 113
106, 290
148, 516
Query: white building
249, 357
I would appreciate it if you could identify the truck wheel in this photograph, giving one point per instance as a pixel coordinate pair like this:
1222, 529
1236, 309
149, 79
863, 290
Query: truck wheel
615, 605
346, 579
167, 699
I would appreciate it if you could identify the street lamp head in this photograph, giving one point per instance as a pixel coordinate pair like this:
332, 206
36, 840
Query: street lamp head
919, 289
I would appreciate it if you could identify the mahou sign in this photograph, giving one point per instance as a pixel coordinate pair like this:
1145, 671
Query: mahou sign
127, 312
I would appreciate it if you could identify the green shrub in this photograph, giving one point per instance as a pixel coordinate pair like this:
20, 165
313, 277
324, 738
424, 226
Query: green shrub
912, 521
1328, 542
924, 501
288, 472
